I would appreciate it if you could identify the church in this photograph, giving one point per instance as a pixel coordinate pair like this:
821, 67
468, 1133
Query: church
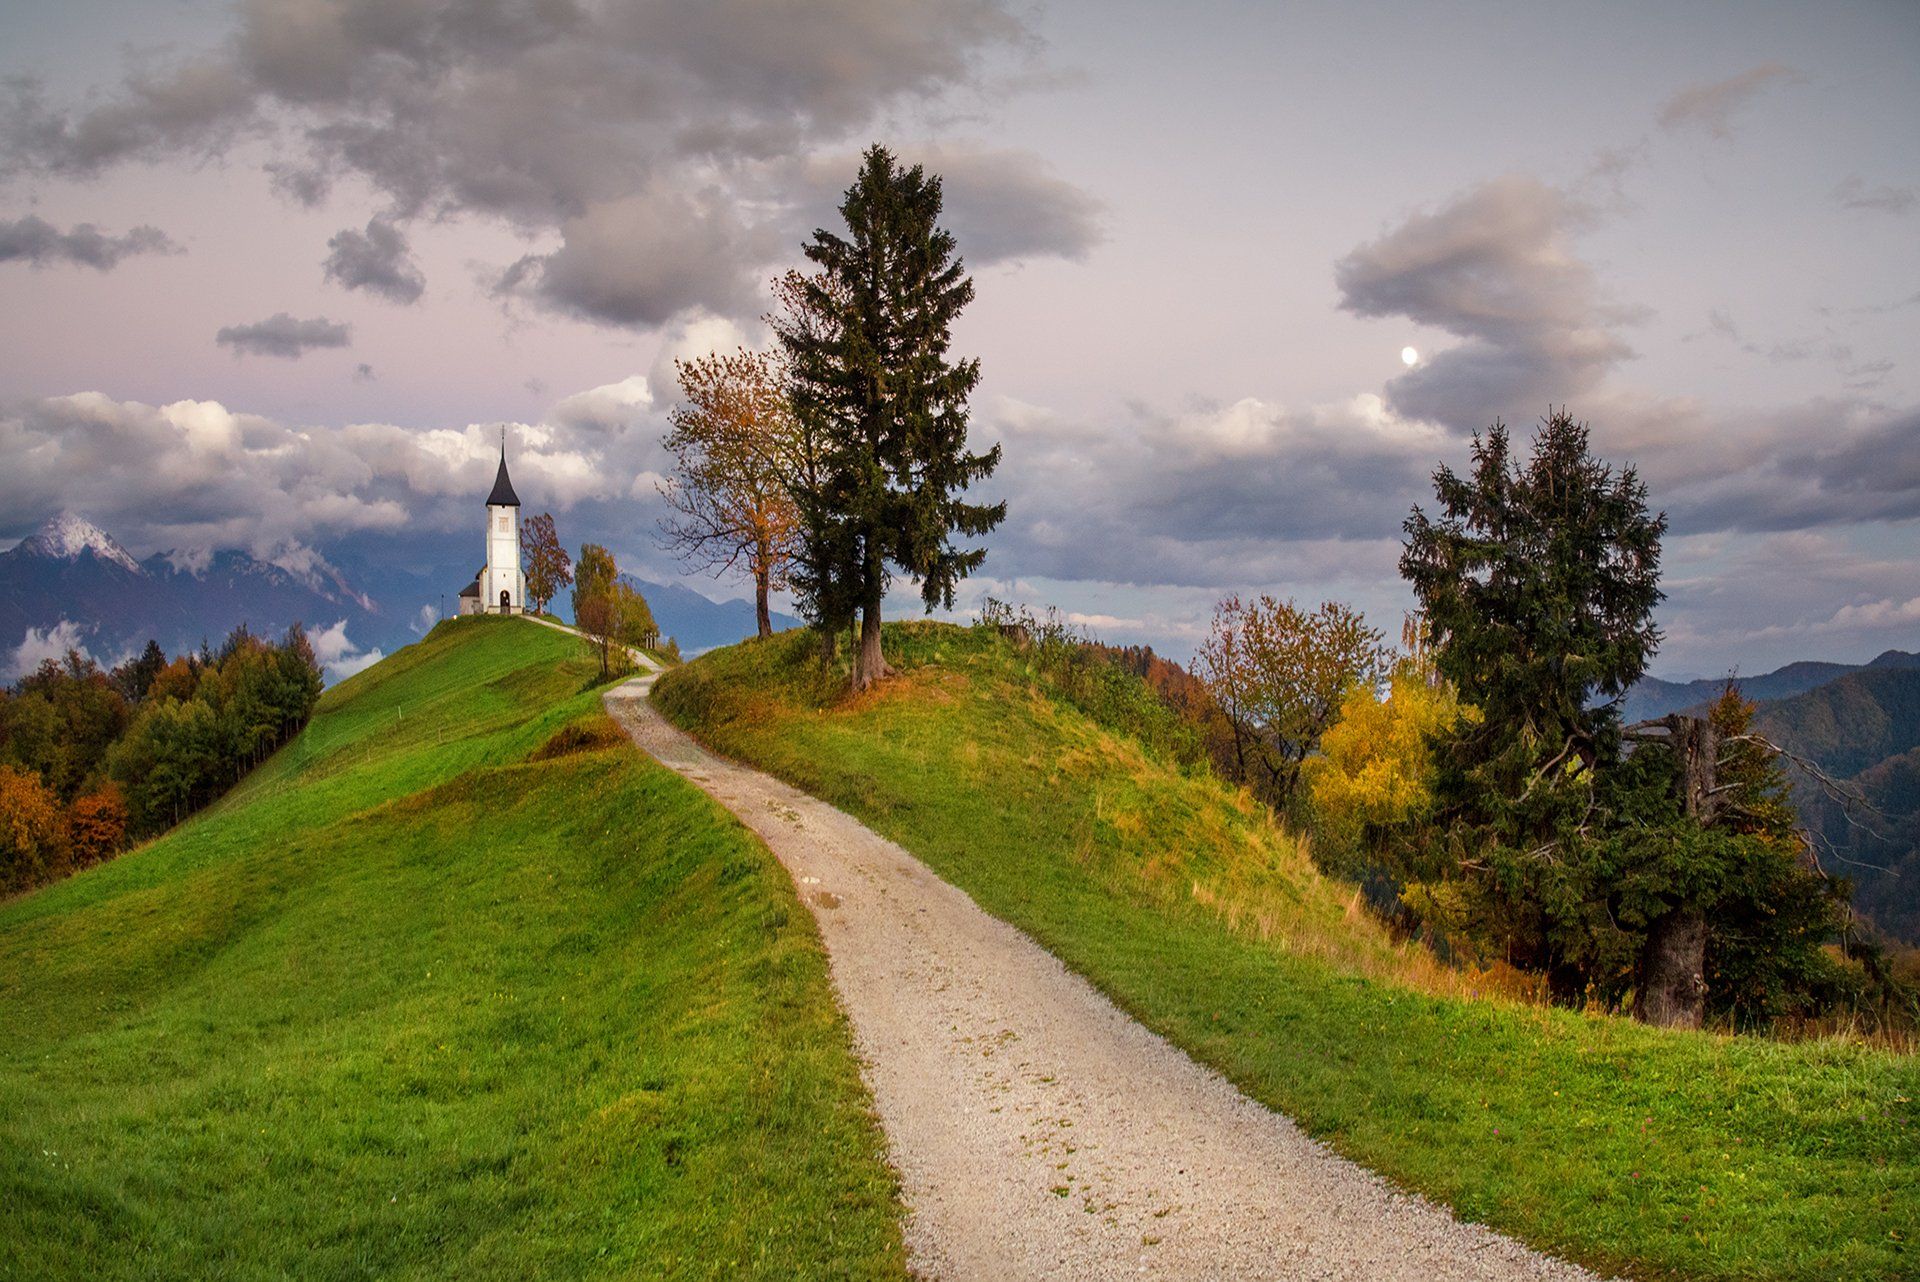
499, 587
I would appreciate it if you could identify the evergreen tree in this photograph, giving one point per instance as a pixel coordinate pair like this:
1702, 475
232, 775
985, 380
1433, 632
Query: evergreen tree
877, 392
1538, 583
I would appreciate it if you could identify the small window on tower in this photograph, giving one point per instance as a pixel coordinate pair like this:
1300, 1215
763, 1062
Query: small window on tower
503, 523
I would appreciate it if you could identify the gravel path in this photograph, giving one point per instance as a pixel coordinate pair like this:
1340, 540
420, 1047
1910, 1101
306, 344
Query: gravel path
1039, 1131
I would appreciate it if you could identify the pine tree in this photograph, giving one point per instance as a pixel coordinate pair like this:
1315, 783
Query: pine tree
1538, 583
867, 342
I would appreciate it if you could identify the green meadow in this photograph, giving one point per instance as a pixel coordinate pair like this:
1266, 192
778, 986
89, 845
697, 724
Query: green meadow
459, 984
1651, 1153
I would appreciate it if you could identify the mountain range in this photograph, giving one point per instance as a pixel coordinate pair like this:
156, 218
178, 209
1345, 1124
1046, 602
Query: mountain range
1652, 697
71, 583
699, 623
1863, 730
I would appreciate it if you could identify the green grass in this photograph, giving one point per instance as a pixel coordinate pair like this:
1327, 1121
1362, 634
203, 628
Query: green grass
422, 1000
1653, 1153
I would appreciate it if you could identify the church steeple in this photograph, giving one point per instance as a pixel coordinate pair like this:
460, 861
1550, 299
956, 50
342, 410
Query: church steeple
503, 495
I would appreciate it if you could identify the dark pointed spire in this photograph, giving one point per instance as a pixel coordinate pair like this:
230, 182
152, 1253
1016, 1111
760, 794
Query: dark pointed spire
503, 495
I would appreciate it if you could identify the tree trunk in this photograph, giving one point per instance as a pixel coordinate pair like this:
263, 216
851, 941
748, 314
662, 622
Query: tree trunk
1671, 988
869, 664
1670, 982
762, 615
829, 644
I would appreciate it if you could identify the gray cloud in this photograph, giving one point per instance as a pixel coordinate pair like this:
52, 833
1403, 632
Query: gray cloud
647, 259
36, 241
283, 335
376, 260
1495, 267
557, 117
1711, 106
1001, 205
1853, 193
199, 107
1819, 466
1217, 496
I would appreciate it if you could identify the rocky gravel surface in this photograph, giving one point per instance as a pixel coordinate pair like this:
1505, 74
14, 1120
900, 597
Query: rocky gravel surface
1039, 1132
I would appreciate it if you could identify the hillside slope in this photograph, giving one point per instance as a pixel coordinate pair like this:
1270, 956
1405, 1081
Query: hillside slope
459, 984
1863, 728
1628, 1148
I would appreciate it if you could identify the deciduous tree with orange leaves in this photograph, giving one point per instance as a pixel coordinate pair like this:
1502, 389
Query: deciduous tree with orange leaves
734, 443
33, 832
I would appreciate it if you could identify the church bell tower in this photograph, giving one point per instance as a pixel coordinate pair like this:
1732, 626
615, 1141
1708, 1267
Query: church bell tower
503, 588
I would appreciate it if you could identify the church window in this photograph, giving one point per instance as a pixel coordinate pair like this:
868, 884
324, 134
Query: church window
503, 523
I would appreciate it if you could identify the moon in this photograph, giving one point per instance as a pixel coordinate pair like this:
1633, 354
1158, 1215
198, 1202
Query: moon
1409, 357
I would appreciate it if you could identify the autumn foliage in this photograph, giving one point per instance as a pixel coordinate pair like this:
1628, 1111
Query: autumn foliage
735, 445
92, 759
33, 833
548, 567
97, 825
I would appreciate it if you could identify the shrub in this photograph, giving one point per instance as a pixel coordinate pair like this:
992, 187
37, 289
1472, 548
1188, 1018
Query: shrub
97, 825
33, 835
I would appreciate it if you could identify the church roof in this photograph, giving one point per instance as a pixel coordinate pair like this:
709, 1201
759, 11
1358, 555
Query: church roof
503, 495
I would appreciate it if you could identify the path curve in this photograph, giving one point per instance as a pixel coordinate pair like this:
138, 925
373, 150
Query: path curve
1038, 1130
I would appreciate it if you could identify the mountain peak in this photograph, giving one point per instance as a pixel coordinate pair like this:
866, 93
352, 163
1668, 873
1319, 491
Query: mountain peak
65, 536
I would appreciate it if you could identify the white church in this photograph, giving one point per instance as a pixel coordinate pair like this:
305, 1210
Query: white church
500, 587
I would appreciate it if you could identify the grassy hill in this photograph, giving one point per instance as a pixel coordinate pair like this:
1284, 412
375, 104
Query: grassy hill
458, 985
1655, 1153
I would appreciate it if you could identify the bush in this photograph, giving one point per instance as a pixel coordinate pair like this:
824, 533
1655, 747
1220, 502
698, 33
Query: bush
97, 825
33, 835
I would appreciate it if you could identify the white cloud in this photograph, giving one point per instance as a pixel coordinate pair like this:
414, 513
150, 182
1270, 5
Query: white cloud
193, 476
41, 644
612, 407
338, 655
1884, 613
1711, 106
691, 338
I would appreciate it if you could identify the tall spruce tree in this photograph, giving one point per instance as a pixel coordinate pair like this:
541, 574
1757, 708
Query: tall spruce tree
867, 342
1538, 582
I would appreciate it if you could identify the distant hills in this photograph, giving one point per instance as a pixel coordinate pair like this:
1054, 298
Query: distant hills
1652, 697
1863, 728
74, 581
700, 623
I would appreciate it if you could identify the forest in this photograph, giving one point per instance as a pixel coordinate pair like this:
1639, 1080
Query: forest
92, 760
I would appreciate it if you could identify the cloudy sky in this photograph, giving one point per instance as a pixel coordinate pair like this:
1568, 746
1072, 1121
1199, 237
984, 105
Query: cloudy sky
274, 274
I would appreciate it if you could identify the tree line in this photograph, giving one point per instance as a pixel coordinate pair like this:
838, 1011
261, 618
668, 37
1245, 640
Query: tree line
91, 760
1482, 787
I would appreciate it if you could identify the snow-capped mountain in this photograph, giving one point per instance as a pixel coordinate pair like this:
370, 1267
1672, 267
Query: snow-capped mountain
67, 536
72, 579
